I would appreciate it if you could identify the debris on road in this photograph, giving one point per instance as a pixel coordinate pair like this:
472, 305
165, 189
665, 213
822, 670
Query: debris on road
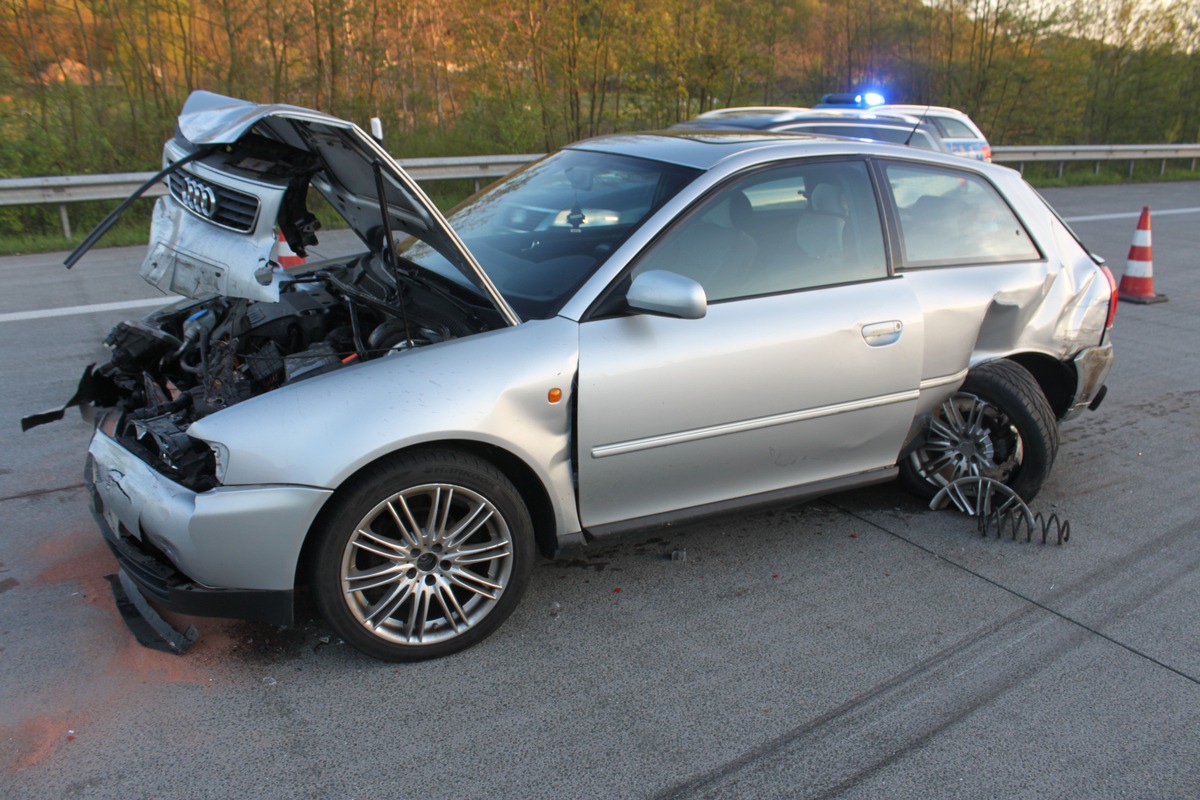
998, 508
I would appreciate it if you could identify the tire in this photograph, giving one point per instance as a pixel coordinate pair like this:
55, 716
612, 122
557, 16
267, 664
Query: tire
998, 425
423, 556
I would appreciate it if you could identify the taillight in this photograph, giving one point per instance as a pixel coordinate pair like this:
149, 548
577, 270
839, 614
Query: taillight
987, 153
1112, 296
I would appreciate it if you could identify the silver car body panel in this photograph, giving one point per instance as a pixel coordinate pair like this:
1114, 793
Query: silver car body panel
469, 390
1091, 368
678, 413
229, 537
203, 260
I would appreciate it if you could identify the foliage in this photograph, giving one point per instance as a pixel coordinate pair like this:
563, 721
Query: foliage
95, 85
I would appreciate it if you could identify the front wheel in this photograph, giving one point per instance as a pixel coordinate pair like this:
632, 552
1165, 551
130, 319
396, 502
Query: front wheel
424, 556
998, 425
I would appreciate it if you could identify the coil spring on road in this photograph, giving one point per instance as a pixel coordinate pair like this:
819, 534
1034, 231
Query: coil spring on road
1016, 519
998, 508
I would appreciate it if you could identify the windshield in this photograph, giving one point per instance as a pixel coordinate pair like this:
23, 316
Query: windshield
540, 233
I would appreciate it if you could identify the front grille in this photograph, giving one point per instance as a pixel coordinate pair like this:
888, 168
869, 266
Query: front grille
213, 202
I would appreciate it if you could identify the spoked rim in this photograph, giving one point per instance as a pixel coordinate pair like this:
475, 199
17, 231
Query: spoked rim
427, 564
969, 437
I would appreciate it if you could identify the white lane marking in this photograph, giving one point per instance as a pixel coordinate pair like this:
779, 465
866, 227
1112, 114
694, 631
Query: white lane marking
1132, 214
67, 311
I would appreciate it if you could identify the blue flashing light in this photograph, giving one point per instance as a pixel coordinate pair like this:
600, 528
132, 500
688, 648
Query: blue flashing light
865, 99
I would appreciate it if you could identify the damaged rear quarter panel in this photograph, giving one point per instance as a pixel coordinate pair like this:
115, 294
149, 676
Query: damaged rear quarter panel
976, 313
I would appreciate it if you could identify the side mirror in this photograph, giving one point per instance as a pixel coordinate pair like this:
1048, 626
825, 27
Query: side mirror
667, 294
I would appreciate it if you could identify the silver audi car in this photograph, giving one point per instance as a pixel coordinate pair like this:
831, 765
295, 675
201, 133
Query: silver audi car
633, 331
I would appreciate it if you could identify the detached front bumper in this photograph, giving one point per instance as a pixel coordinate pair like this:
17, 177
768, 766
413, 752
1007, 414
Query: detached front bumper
227, 552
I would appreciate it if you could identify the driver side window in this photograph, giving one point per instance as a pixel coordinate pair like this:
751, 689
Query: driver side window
793, 227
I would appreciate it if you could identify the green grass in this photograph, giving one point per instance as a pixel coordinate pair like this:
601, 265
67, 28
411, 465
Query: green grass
48, 243
1044, 175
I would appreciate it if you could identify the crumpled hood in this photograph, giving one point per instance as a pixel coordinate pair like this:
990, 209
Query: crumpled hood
209, 118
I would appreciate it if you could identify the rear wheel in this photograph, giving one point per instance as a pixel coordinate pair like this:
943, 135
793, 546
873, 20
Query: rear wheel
424, 556
998, 425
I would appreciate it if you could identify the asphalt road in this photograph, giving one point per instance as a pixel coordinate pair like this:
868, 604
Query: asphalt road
859, 646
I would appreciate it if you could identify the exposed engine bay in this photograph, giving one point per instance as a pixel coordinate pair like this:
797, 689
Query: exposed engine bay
195, 358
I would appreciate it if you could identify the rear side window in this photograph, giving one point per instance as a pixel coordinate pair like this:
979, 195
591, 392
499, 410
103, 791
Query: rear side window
955, 129
950, 217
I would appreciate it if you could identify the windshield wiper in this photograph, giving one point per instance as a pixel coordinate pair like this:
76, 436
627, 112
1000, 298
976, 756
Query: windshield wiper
116, 213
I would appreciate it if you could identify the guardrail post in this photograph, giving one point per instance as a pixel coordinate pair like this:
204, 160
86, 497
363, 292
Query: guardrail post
66, 221
1060, 168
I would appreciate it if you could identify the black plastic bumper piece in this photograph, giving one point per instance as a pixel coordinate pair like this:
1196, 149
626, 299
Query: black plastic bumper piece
169, 588
150, 629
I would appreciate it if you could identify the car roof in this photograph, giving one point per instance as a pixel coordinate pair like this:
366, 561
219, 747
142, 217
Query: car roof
933, 111
884, 129
917, 109
718, 113
770, 117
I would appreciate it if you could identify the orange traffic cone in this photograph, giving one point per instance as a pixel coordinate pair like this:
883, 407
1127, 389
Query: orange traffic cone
1137, 284
284, 255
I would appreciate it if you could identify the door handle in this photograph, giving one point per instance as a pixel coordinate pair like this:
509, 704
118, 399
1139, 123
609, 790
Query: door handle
881, 334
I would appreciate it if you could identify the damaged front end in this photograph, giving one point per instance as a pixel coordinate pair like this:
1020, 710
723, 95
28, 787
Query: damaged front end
238, 178
198, 357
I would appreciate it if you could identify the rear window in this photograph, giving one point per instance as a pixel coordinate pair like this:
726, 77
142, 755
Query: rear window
955, 129
949, 217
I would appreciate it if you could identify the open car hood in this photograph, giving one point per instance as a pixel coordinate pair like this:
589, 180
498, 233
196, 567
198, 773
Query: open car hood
247, 170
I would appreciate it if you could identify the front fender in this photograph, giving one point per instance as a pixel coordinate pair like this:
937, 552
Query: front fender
491, 388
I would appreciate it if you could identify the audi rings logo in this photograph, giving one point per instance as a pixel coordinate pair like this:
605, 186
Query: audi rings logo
199, 197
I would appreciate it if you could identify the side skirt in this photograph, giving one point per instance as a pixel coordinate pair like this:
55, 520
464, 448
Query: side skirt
614, 531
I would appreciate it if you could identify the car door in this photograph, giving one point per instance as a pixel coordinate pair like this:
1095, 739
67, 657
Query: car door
804, 370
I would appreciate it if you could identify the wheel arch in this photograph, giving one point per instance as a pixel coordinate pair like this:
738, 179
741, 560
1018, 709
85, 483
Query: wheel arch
1020, 416
528, 485
1056, 379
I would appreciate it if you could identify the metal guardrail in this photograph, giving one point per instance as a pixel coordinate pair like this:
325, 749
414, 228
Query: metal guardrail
67, 189
76, 188
1097, 153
